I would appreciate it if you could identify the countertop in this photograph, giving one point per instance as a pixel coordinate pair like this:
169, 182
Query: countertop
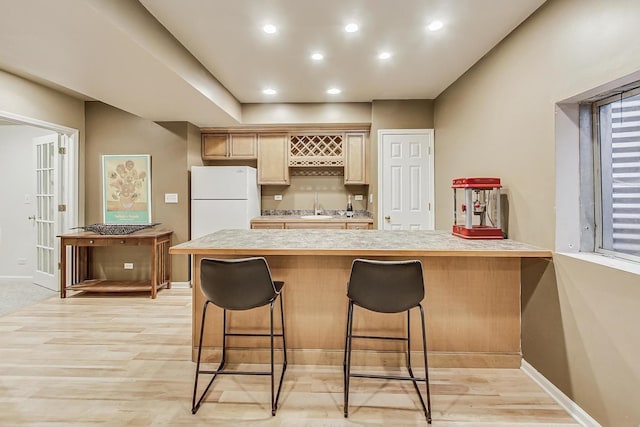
352, 242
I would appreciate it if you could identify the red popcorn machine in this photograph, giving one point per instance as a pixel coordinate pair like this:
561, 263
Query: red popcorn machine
478, 216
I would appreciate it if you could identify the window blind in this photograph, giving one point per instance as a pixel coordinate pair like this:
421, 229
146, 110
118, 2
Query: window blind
621, 183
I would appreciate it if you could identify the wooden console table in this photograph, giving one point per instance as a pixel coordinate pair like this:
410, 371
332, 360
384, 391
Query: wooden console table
81, 250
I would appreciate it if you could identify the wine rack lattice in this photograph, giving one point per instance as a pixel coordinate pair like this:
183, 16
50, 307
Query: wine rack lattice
316, 150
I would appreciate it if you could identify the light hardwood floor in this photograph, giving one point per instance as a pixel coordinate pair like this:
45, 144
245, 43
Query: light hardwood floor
125, 360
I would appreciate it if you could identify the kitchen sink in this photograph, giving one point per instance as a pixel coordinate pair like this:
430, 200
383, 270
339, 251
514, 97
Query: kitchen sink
316, 217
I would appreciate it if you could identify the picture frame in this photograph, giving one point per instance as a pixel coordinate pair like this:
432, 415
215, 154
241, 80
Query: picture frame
126, 188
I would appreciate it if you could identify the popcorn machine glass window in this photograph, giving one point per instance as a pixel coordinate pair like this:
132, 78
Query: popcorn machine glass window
476, 208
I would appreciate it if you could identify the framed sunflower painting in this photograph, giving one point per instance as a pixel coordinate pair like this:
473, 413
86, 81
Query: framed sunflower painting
126, 189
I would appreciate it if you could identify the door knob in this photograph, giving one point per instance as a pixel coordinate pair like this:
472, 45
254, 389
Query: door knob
387, 217
32, 217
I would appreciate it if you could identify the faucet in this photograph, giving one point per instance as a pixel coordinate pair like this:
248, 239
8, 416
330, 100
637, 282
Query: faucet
316, 209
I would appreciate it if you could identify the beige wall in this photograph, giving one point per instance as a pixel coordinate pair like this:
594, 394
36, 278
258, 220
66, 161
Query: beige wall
194, 153
113, 131
332, 194
28, 99
25, 98
306, 113
498, 120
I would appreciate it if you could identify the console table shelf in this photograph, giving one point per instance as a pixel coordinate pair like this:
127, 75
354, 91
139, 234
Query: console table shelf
80, 276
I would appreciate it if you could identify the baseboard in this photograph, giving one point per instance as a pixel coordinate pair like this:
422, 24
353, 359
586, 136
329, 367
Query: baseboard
181, 285
579, 414
16, 277
367, 358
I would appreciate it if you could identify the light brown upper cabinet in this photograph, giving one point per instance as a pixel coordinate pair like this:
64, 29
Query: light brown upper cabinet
273, 159
229, 146
355, 158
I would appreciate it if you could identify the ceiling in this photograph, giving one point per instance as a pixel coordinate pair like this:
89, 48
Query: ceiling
201, 60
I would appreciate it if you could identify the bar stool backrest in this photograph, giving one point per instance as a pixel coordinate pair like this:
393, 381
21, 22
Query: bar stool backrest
386, 286
237, 284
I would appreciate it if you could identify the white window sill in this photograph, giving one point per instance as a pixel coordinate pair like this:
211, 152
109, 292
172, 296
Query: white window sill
606, 261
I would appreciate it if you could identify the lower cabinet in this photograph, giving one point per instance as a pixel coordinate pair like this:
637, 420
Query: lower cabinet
359, 226
310, 225
315, 225
267, 225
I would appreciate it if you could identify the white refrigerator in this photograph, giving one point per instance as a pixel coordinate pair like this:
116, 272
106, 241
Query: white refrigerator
223, 197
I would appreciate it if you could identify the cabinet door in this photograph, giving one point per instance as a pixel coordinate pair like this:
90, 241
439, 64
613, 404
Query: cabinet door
355, 162
315, 225
243, 146
358, 226
267, 225
214, 146
273, 161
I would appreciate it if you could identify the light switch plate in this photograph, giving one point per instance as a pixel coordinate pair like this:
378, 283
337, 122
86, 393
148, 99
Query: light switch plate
171, 197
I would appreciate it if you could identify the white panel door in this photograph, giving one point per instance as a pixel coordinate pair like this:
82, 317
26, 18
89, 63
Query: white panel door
405, 180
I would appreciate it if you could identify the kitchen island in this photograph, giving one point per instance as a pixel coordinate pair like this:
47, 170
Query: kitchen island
472, 287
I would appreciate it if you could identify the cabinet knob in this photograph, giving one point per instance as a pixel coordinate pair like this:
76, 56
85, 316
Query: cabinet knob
122, 242
91, 241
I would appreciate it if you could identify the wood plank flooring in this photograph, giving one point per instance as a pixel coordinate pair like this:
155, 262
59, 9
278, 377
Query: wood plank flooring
125, 360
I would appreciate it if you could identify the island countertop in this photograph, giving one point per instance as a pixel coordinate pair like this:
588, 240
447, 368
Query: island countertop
352, 242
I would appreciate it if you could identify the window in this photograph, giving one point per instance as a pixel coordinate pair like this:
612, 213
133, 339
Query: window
616, 122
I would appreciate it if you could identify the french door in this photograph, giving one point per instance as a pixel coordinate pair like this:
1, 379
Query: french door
47, 218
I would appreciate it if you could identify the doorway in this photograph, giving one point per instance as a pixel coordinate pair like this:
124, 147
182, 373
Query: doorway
46, 206
405, 179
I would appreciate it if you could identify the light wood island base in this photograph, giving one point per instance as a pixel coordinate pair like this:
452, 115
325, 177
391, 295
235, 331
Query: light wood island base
472, 302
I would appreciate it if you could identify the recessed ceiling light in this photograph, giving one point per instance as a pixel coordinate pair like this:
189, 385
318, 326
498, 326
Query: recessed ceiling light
435, 25
333, 91
269, 29
384, 55
351, 28
269, 91
317, 56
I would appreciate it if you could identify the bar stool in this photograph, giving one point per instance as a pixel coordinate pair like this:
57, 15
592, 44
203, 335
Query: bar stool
239, 284
386, 287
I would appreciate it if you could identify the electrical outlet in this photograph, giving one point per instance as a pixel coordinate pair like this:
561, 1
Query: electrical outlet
22, 261
371, 198
171, 197
358, 197
277, 197
128, 266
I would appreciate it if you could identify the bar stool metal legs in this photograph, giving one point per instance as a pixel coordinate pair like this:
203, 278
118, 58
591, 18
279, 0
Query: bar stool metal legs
347, 362
221, 371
